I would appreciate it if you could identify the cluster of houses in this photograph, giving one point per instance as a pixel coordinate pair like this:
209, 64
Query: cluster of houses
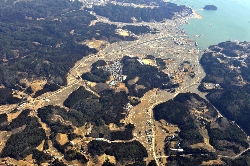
127, 108
90, 3
178, 42
102, 139
149, 137
209, 86
52, 155
123, 32
174, 138
115, 68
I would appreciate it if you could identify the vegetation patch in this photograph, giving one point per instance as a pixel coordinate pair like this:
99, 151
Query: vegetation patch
20, 145
227, 66
193, 114
7, 97
44, 44
149, 76
124, 152
106, 109
127, 134
119, 13
178, 113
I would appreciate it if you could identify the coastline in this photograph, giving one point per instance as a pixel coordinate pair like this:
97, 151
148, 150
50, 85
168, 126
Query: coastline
196, 14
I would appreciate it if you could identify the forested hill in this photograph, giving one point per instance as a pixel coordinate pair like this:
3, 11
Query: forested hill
41, 39
119, 13
194, 116
227, 80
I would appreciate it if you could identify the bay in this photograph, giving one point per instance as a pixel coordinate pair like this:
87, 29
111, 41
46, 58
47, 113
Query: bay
231, 21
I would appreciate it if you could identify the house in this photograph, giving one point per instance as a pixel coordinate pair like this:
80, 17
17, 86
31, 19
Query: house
112, 83
178, 150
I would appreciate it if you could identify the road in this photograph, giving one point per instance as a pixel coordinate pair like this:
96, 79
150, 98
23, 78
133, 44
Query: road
155, 103
85, 63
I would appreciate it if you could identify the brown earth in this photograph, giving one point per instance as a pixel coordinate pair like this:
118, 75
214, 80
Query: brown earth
40, 147
37, 85
121, 87
12, 116
62, 138
213, 162
4, 136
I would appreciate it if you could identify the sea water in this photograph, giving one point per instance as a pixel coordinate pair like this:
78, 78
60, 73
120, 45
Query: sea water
231, 21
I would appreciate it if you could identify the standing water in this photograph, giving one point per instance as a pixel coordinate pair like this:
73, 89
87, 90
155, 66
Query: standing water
231, 21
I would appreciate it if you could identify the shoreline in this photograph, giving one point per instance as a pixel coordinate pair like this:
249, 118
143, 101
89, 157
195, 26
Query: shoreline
196, 14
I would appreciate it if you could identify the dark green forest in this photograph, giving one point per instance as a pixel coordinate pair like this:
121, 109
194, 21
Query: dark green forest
226, 132
234, 104
124, 152
193, 160
48, 113
177, 111
36, 41
137, 29
7, 97
96, 75
118, 13
232, 100
244, 159
23, 142
149, 76
47, 88
109, 108
127, 134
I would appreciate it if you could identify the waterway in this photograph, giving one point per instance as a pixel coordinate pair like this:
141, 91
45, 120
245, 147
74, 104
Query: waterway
231, 21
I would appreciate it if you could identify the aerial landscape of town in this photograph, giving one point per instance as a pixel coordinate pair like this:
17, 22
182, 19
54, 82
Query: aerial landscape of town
118, 82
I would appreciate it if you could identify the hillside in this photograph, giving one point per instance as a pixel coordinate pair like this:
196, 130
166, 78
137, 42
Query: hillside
195, 117
227, 80
118, 83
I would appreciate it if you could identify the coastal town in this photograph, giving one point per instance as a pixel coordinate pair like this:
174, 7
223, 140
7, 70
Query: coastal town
171, 44
79, 119
181, 55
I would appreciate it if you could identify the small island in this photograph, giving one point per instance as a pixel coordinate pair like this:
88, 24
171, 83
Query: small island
210, 7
